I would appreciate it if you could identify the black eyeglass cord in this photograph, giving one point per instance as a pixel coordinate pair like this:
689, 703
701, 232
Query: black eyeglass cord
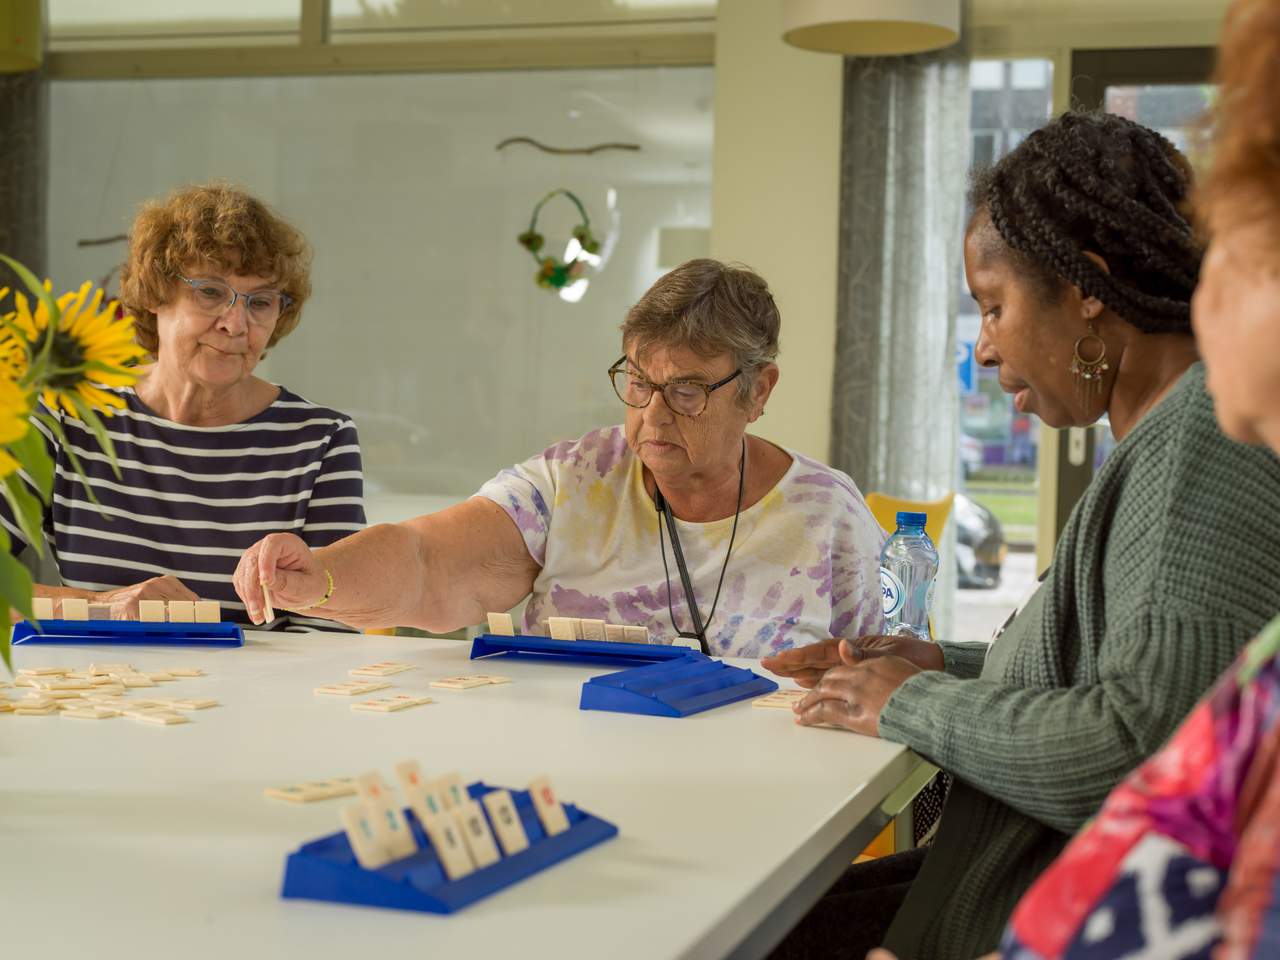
660, 503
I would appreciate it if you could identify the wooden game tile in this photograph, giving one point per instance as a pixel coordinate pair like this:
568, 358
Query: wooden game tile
593, 630
105, 669
74, 608
393, 831
26, 708
450, 848
182, 611
780, 699
184, 671
313, 790
353, 688
134, 680
91, 713
460, 683
506, 821
43, 671
362, 835
635, 634
475, 831
208, 611
391, 704
451, 788
548, 807
151, 611
615, 633
561, 628
159, 676
6, 706
384, 669
161, 717
60, 683
189, 703
501, 625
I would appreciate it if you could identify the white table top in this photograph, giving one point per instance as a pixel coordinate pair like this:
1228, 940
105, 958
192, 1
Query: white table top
122, 839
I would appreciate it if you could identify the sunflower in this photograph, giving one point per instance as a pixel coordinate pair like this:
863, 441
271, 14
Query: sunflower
14, 409
91, 345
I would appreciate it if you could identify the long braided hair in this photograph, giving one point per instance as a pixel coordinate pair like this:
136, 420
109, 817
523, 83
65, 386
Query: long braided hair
1100, 183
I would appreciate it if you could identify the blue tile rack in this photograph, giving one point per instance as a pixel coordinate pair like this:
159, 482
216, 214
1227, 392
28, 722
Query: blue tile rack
128, 632
326, 869
660, 680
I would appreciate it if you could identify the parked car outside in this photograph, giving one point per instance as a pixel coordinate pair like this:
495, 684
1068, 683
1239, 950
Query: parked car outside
980, 546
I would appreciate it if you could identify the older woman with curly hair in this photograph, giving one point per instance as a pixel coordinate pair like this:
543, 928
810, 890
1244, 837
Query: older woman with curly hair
677, 520
211, 457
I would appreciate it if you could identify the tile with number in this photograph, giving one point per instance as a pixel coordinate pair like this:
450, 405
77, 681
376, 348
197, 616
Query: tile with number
391, 704
366, 844
450, 848
353, 688
506, 821
549, 809
475, 831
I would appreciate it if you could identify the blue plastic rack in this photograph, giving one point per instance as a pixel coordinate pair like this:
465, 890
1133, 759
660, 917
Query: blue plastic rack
129, 632
675, 688
577, 651
662, 681
326, 869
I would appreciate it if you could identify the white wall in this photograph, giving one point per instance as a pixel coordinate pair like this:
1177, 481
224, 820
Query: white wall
425, 324
776, 200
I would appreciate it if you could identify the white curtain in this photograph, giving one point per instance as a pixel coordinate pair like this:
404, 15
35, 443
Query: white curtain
903, 177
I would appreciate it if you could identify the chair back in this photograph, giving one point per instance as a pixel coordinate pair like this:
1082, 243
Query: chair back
886, 508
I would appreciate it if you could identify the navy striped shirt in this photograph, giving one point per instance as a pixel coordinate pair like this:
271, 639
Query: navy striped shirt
190, 500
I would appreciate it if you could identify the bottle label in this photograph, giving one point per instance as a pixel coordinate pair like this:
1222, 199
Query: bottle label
892, 596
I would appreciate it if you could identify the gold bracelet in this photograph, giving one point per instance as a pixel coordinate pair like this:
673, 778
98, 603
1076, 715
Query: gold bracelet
327, 594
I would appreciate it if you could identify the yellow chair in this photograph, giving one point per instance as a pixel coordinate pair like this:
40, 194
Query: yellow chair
885, 509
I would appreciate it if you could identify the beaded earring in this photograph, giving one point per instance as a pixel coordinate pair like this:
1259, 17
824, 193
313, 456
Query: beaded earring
1088, 373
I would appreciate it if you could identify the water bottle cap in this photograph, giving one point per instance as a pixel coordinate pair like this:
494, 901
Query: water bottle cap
906, 519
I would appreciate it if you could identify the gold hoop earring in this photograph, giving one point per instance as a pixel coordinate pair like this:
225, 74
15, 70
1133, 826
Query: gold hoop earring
1088, 373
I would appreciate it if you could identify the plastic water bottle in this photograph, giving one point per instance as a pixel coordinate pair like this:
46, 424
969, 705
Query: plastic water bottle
908, 565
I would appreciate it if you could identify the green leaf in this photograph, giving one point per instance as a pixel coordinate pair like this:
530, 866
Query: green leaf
99, 431
50, 421
27, 510
31, 452
15, 591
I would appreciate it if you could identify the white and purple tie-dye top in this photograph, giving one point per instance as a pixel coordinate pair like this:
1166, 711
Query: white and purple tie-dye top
805, 562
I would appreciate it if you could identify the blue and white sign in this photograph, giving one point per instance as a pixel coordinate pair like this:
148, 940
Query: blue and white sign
967, 367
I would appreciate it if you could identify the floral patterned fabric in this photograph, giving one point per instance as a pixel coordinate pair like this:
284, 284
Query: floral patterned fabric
1183, 861
805, 563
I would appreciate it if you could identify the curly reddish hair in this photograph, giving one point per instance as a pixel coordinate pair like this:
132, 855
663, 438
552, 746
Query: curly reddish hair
210, 224
1246, 142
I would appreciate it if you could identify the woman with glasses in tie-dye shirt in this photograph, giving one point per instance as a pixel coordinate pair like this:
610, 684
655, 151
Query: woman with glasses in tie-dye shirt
776, 550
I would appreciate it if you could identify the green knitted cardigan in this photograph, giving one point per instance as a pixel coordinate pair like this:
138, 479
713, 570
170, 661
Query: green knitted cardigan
1168, 565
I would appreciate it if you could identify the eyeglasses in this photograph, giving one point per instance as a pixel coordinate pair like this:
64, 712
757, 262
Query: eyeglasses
688, 398
214, 298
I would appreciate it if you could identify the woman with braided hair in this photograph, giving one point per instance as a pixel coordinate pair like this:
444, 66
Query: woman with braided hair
1083, 266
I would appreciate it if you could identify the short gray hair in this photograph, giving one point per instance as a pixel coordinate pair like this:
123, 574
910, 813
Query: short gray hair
710, 308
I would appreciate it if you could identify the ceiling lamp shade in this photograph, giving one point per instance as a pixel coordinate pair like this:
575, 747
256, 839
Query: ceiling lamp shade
871, 28
20, 46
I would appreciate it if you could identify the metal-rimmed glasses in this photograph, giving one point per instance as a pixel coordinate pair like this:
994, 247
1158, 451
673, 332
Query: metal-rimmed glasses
214, 298
687, 398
